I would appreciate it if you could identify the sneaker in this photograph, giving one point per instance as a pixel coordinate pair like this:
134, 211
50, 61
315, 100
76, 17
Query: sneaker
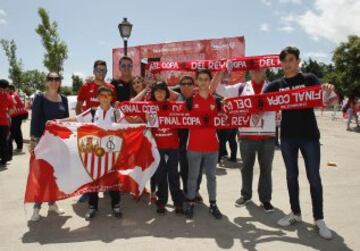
324, 231
214, 210
117, 212
54, 208
241, 202
268, 208
90, 213
18, 150
36, 215
233, 159
189, 211
161, 210
289, 220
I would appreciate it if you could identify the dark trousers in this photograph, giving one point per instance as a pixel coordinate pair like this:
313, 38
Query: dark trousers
184, 163
94, 199
16, 133
264, 149
167, 177
224, 136
310, 150
4, 156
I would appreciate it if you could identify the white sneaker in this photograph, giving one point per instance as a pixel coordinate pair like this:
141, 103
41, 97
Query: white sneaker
324, 231
54, 208
289, 219
36, 215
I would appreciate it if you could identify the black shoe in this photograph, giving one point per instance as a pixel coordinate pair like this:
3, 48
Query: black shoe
189, 211
233, 160
117, 212
268, 207
241, 202
90, 213
214, 210
161, 210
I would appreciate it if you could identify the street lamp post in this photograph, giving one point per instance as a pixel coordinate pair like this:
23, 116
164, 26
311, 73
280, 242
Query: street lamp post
125, 28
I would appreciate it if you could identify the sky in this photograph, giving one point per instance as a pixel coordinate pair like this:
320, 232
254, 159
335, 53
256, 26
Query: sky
89, 27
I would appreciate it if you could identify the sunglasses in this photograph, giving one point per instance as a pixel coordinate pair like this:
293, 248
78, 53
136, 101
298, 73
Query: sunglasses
187, 84
105, 95
137, 82
123, 66
100, 70
57, 79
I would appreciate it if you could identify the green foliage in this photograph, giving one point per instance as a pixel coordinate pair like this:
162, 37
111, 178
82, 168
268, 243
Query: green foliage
77, 82
33, 80
56, 51
66, 90
15, 65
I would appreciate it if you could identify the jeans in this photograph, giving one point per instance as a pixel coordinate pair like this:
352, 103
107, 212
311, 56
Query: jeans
310, 149
167, 177
264, 149
184, 163
16, 133
37, 205
209, 164
94, 199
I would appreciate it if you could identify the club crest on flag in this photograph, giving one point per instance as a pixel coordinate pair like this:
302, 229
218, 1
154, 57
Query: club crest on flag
99, 154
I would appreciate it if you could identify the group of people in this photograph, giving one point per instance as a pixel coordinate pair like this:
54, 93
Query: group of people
12, 114
197, 150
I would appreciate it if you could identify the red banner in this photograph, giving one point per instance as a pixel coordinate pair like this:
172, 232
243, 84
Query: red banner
236, 64
210, 49
235, 112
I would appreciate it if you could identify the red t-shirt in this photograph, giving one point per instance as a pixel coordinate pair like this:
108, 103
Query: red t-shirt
6, 103
166, 138
88, 94
257, 89
19, 106
203, 139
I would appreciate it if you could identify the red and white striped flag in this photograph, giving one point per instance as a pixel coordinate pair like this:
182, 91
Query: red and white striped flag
74, 158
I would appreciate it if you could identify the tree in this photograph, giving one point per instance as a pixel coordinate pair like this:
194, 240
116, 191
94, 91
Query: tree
318, 68
66, 90
56, 50
273, 74
33, 80
347, 66
15, 64
77, 81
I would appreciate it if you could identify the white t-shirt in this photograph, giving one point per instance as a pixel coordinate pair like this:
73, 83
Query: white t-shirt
113, 115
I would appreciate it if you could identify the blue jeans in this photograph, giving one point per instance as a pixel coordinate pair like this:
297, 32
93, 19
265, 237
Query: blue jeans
310, 149
208, 160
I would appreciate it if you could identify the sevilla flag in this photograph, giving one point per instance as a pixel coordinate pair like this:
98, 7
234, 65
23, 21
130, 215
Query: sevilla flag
75, 158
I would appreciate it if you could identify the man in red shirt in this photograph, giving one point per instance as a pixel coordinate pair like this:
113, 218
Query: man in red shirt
6, 109
257, 140
87, 95
203, 146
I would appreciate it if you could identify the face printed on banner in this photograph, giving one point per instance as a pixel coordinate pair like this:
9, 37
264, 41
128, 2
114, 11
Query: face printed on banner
203, 82
160, 95
290, 64
100, 72
257, 76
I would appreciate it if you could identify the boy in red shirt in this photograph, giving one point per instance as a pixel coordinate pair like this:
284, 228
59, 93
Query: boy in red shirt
203, 146
6, 109
87, 95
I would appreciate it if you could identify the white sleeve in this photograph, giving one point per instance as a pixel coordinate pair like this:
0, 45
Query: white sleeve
120, 117
228, 91
84, 117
